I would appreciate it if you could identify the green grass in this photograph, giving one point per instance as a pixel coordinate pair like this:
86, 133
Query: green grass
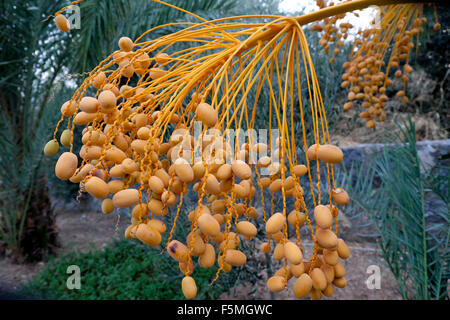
126, 269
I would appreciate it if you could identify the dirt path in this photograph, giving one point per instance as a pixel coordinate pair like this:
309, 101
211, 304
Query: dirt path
80, 231
93, 229
362, 256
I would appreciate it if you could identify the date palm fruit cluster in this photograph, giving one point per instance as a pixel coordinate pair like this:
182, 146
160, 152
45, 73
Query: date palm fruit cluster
139, 108
379, 55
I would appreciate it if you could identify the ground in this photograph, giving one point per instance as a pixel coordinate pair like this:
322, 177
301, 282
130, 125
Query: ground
76, 231
94, 229
350, 131
362, 256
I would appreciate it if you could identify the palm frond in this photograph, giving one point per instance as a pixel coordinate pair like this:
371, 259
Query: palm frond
413, 226
104, 22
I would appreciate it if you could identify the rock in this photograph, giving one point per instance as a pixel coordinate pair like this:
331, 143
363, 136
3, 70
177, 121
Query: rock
344, 224
429, 152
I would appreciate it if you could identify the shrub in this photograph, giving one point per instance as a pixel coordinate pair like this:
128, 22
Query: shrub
126, 269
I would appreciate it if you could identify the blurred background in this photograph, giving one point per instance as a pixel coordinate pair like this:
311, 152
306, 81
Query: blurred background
397, 175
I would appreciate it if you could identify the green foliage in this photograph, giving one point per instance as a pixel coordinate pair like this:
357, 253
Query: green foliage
127, 269
409, 205
433, 59
30, 62
104, 22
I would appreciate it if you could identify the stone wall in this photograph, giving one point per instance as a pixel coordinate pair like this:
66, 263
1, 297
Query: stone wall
430, 151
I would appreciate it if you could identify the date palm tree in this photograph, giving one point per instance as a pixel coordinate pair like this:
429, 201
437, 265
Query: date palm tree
34, 57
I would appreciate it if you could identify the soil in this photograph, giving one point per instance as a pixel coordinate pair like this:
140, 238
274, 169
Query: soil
351, 130
78, 231
92, 229
362, 256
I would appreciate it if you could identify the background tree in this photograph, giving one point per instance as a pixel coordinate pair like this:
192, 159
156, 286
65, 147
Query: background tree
34, 57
